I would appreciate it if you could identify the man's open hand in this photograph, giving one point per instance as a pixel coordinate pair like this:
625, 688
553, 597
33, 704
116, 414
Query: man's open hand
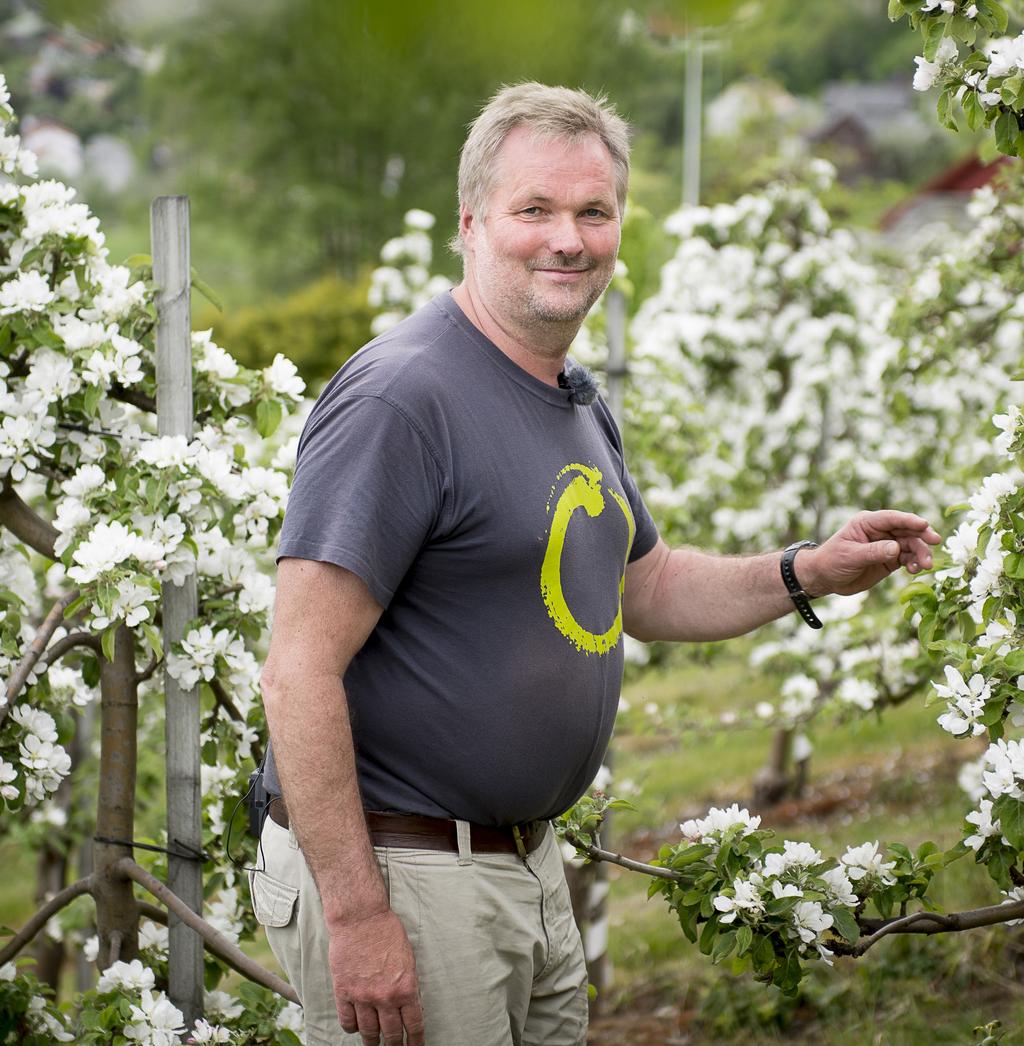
375, 985
865, 551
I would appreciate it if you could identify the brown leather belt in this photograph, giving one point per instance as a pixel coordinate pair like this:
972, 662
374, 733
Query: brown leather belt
414, 832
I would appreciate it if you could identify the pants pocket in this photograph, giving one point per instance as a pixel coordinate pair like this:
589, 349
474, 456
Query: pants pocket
273, 902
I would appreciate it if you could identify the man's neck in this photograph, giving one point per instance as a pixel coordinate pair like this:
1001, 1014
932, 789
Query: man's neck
540, 352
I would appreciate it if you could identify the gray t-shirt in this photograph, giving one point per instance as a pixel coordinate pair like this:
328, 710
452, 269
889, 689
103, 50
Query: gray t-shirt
492, 519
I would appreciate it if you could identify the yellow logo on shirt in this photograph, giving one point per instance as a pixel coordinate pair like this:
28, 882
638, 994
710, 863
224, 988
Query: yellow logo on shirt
585, 492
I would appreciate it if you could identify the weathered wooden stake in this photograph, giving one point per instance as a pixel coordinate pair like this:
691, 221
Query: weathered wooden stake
172, 275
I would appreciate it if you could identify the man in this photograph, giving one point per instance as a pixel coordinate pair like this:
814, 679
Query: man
463, 549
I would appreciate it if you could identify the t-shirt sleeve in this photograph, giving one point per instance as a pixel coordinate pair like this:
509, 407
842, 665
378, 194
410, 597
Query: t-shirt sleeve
646, 535
368, 492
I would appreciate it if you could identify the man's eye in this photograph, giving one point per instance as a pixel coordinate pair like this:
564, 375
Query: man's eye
593, 212
530, 211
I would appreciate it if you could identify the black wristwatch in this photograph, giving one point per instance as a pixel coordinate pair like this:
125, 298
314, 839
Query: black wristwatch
800, 598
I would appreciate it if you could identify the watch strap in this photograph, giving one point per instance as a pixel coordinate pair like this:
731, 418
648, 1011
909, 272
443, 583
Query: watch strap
801, 600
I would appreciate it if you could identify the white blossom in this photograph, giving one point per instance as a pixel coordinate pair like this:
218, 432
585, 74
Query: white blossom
282, 377
126, 976
982, 819
965, 702
864, 861
794, 856
840, 889
746, 900
710, 829
157, 1021
1006, 56
928, 72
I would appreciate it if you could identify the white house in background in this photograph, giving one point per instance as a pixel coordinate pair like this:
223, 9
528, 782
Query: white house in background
749, 101
941, 201
57, 147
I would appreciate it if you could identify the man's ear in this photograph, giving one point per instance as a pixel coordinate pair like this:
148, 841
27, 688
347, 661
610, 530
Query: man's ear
466, 225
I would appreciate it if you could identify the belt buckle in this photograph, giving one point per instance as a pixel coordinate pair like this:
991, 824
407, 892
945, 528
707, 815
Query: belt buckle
520, 843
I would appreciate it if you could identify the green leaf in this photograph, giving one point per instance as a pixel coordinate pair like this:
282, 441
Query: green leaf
944, 110
138, 261
1006, 131
207, 291
895, 10
999, 13
1010, 813
973, 110
999, 863
74, 607
764, 954
688, 921
744, 939
107, 644
268, 417
846, 925
691, 854
918, 588
723, 946
934, 30
153, 639
707, 936
93, 395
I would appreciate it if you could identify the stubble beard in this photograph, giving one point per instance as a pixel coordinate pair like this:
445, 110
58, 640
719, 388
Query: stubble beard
568, 303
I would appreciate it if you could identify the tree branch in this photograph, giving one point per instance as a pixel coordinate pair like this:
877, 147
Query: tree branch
147, 672
62, 646
39, 920
918, 922
224, 701
134, 397
595, 853
35, 650
214, 940
933, 922
26, 525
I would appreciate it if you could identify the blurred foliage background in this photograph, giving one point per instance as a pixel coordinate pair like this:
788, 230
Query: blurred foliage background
302, 130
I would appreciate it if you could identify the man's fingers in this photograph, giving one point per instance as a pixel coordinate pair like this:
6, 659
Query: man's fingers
892, 523
882, 551
412, 1018
391, 1027
347, 1017
369, 1025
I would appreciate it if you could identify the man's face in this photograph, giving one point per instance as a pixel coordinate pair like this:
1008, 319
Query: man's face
544, 250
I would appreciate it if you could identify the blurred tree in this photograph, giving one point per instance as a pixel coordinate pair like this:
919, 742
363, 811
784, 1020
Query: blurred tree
803, 45
317, 123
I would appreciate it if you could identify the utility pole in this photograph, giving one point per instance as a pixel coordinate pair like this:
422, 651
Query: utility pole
693, 104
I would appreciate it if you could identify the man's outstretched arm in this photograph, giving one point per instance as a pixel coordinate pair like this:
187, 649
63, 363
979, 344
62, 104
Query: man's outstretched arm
322, 616
683, 594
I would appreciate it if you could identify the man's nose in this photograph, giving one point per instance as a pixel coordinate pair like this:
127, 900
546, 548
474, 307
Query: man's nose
564, 237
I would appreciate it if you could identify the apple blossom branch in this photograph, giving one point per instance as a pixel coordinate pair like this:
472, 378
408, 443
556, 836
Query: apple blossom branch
918, 922
35, 651
26, 525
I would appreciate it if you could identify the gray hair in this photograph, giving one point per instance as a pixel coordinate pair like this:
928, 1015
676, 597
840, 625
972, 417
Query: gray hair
552, 113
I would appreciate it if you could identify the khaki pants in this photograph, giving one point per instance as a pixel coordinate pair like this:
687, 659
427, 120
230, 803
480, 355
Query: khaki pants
498, 954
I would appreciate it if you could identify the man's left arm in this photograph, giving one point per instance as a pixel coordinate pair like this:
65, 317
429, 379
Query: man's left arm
685, 595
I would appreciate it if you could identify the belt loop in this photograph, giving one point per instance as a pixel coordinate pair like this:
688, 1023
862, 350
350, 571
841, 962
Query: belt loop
465, 848
520, 843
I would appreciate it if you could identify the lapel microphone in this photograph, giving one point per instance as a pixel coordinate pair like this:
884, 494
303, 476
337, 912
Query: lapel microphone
582, 385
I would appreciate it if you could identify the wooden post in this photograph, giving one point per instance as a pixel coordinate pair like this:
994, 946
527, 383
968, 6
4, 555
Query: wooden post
172, 275
692, 109
117, 913
588, 884
615, 321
